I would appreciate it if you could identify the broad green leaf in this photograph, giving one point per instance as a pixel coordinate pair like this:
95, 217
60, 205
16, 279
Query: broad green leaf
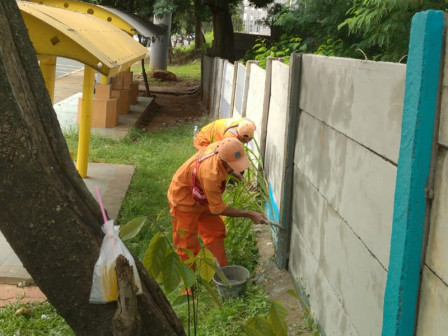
171, 272
205, 258
132, 228
251, 331
223, 277
277, 318
292, 292
155, 254
212, 293
180, 301
188, 276
260, 324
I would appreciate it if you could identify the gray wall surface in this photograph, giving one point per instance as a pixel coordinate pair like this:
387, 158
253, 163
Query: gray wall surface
343, 186
433, 305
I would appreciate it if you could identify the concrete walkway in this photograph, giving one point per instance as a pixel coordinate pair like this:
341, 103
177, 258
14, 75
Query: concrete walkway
112, 180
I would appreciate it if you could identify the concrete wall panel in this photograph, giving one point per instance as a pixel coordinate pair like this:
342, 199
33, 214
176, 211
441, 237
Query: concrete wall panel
437, 250
226, 90
255, 100
239, 91
433, 306
357, 183
207, 68
276, 129
334, 264
218, 65
362, 99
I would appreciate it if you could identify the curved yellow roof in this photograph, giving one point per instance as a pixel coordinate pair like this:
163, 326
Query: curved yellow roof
58, 32
130, 23
88, 8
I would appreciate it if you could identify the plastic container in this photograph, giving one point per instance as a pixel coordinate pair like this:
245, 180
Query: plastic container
195, 131
237, 276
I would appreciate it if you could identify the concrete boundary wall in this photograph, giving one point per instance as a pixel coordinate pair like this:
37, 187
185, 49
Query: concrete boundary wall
255, 99
240, 83
227, 89
345, 131
433, 296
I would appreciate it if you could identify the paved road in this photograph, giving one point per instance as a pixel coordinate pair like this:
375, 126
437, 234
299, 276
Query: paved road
65, 66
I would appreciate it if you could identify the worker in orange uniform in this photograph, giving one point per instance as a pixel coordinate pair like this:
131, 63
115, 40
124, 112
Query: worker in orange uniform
243, 129
195, 198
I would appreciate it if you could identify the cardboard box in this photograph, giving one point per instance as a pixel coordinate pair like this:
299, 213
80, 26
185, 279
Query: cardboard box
117, 83
134, 93
124, 100
103, 91
104, 113
128, 78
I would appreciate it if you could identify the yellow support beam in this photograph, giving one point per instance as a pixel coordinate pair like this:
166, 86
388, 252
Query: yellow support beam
48, 68
85, 121
104, 79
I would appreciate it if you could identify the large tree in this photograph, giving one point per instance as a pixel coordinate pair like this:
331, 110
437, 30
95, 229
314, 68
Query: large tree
47, 214
222, 25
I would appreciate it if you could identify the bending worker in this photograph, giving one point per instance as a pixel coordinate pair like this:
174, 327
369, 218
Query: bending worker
243, 129
195, 198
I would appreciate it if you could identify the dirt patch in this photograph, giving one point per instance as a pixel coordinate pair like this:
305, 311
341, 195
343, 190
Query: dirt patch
172, 104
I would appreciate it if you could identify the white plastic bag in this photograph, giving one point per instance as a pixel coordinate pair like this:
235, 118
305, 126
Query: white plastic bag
104, 283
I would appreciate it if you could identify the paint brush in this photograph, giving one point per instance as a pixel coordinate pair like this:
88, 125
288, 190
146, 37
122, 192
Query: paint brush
275, 224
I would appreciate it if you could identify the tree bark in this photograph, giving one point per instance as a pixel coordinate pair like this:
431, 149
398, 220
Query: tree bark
198, 36
223, 45
126, 320
48, 216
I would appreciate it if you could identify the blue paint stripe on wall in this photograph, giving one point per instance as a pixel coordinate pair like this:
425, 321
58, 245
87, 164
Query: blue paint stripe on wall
422, 80
272, 211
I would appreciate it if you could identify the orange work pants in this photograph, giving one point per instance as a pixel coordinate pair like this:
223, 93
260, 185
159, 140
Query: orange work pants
211, 229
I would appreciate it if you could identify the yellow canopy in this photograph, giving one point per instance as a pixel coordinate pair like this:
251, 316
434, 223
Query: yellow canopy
58, 32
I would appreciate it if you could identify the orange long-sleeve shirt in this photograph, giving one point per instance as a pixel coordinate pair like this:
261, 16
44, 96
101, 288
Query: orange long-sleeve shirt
211, 177
216, 131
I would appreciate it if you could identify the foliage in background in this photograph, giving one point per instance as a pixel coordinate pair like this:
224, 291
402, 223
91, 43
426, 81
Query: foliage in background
284, 48
372, 29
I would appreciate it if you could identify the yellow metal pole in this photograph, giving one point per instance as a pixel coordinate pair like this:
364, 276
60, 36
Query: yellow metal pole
104, 79
48, 68
85, 121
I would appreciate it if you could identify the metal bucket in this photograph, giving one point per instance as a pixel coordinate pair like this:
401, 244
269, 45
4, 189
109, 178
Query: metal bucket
237, 276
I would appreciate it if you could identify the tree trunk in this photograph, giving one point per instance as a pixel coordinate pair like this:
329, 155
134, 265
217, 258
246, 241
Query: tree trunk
198, 36
222, 28
48, 216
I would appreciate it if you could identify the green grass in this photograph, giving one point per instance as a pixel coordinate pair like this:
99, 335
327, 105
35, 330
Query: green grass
186, 65
41, 321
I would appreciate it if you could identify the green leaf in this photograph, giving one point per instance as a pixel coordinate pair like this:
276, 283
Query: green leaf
188, 276
251, 331
205, 258
277, 318
171, 272
132, 228
293, 293
180, 301
260, 324
155, 254
212, 293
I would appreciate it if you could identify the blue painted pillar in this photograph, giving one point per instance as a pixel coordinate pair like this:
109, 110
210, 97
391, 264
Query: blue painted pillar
422, 85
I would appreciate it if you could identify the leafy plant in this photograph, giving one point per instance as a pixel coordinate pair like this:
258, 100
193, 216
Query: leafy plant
274, 324
284, 48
